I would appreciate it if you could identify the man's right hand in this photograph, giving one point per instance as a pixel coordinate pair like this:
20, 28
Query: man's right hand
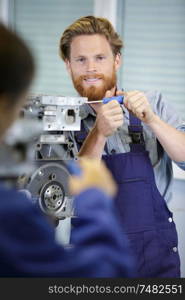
109, 118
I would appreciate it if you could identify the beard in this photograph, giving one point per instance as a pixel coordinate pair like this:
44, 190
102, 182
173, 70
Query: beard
92, 92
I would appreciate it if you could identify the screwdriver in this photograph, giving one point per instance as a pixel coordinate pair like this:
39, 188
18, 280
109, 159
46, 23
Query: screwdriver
119, 98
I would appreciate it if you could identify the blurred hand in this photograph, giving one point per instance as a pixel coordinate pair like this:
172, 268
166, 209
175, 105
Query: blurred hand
94, 174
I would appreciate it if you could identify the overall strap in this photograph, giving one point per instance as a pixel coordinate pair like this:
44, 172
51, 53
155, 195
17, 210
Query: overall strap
135, 130
81, 135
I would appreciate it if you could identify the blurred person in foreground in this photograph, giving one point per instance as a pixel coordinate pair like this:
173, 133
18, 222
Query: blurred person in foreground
137, 140
27, 239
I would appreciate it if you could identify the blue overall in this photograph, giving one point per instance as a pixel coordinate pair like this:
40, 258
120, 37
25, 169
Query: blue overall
143, 212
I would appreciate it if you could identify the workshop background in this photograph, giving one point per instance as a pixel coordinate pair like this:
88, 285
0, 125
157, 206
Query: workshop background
153, 58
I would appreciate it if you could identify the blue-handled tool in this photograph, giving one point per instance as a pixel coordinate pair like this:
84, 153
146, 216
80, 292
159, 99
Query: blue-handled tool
73, 168
119, 98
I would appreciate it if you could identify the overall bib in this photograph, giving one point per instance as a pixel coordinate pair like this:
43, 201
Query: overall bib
143, 213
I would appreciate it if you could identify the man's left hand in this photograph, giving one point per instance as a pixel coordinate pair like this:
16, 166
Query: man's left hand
137, 103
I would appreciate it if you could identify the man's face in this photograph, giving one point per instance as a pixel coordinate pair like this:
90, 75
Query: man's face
92, 66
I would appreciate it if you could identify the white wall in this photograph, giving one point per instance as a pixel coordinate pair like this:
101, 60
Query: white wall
4, 5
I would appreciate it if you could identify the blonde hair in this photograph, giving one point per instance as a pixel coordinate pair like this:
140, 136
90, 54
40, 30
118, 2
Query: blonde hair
89, 25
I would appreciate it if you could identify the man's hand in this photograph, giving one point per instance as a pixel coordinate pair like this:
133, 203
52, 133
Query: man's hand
109, 117
137, 103
94, 174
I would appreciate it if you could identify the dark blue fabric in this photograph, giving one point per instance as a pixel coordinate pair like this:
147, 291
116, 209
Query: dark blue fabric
28, 246
143, 213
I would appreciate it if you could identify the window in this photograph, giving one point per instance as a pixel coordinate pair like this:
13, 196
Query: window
154, 54
41, 24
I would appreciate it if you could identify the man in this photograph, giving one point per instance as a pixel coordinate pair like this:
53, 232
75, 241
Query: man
120, 135
27, 239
